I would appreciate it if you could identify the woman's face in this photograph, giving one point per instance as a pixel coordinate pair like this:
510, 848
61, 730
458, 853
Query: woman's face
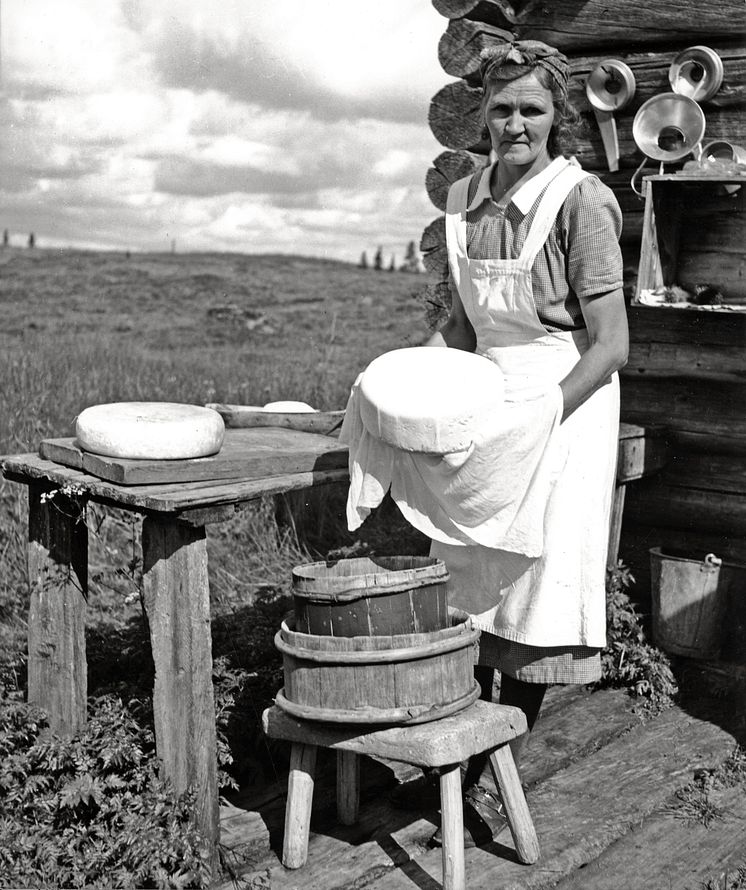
519, 115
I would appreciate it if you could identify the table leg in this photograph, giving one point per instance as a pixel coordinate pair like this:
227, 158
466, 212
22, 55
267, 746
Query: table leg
348, 787
519, 818
298, 806
615, 525
452, 828
177, 602
58, 577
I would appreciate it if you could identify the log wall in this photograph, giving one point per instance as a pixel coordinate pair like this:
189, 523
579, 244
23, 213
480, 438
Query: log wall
645, 35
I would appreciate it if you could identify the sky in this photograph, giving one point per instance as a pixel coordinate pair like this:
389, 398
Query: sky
258, 126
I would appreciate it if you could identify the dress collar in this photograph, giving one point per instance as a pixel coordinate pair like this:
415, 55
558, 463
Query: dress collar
526, 195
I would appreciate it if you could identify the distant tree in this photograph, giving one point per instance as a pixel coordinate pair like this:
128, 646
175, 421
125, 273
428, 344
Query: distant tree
31, 240
378, 261
412, 261
364, 261
392, 264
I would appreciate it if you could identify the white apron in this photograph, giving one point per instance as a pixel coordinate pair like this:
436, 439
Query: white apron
558, 598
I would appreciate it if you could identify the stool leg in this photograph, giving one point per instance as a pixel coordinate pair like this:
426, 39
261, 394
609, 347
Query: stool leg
519, 818
298, 807
348, 787
452, 828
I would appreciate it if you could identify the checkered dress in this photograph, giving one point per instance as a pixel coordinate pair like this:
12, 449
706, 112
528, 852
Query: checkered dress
581, 258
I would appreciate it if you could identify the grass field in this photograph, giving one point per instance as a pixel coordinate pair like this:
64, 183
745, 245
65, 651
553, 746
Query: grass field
85, 328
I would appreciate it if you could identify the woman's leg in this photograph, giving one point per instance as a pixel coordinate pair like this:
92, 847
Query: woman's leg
526, 696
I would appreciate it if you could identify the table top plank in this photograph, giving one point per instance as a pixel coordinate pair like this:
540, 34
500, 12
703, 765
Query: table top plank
166, 498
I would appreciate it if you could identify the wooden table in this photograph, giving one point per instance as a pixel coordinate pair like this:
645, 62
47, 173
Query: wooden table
176, 593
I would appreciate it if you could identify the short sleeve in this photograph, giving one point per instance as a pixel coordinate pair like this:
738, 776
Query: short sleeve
590, 227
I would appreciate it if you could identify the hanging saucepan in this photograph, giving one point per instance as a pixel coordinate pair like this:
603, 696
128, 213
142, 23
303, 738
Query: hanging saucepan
609, 87
697, 73
668, 127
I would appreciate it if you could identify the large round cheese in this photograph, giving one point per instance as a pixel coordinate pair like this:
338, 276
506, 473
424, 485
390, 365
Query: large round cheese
150, 430
429, 399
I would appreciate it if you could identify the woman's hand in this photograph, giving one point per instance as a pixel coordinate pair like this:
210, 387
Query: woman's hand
457, 332
606, 319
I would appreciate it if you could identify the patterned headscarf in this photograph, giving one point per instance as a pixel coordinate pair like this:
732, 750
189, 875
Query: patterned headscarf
528, 53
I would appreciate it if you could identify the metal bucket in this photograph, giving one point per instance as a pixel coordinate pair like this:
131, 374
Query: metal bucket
689, 603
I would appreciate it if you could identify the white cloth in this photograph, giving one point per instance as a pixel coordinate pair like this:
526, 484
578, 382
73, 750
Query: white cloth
493, 493
557, 598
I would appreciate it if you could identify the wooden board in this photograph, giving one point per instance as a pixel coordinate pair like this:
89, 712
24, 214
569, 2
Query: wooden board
578, 812
246, 453
324, 423
669, 850
653, 502
641, 453
661, 324
573, 723
196, 502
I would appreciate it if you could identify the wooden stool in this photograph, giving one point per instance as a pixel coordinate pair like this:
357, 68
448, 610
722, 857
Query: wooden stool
444, 743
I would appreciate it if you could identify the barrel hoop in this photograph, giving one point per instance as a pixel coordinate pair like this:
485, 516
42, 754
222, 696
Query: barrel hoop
404, 715
369, 583
365, 593
377, 656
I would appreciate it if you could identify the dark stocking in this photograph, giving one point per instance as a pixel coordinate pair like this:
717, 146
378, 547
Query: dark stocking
526, 696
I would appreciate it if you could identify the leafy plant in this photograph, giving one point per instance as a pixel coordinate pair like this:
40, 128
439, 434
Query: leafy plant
91, 811
629, 660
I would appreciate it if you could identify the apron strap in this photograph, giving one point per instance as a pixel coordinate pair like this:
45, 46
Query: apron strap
458, 259
551, 201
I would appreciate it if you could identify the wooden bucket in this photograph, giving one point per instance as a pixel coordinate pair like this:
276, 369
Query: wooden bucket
398, 679
366, 596
689, 601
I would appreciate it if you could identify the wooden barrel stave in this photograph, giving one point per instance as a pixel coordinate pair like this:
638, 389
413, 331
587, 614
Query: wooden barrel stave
395, 678
364, 596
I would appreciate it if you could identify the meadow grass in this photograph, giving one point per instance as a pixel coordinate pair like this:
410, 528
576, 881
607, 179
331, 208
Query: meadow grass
84, 329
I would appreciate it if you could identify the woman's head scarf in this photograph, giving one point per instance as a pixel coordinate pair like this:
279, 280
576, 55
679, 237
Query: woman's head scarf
527, 53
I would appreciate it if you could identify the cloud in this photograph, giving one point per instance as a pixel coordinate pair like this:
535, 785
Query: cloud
295, 126
253, 72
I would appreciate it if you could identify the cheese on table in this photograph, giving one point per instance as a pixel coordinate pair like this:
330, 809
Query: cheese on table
429, 399
150, 430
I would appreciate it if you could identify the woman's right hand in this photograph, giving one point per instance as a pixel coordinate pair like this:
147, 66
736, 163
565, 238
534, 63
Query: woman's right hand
457, 332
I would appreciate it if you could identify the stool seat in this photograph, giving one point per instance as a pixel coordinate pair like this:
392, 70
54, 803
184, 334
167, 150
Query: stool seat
444, 743
441, 742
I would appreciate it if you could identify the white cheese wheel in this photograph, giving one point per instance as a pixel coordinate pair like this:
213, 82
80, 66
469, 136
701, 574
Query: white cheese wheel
288, 407
150, 430
429, 399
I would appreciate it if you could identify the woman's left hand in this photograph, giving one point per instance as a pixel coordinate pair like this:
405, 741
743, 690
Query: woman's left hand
606, 319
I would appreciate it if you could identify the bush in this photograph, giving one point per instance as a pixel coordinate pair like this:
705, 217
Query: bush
91, 811
628, 659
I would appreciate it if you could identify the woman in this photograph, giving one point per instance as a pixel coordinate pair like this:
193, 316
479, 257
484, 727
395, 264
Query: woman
536, 280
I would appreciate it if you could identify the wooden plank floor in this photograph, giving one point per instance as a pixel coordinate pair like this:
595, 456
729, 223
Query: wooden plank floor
600, 782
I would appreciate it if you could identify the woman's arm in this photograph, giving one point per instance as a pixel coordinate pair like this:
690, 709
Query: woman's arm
457, 332
606, 319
